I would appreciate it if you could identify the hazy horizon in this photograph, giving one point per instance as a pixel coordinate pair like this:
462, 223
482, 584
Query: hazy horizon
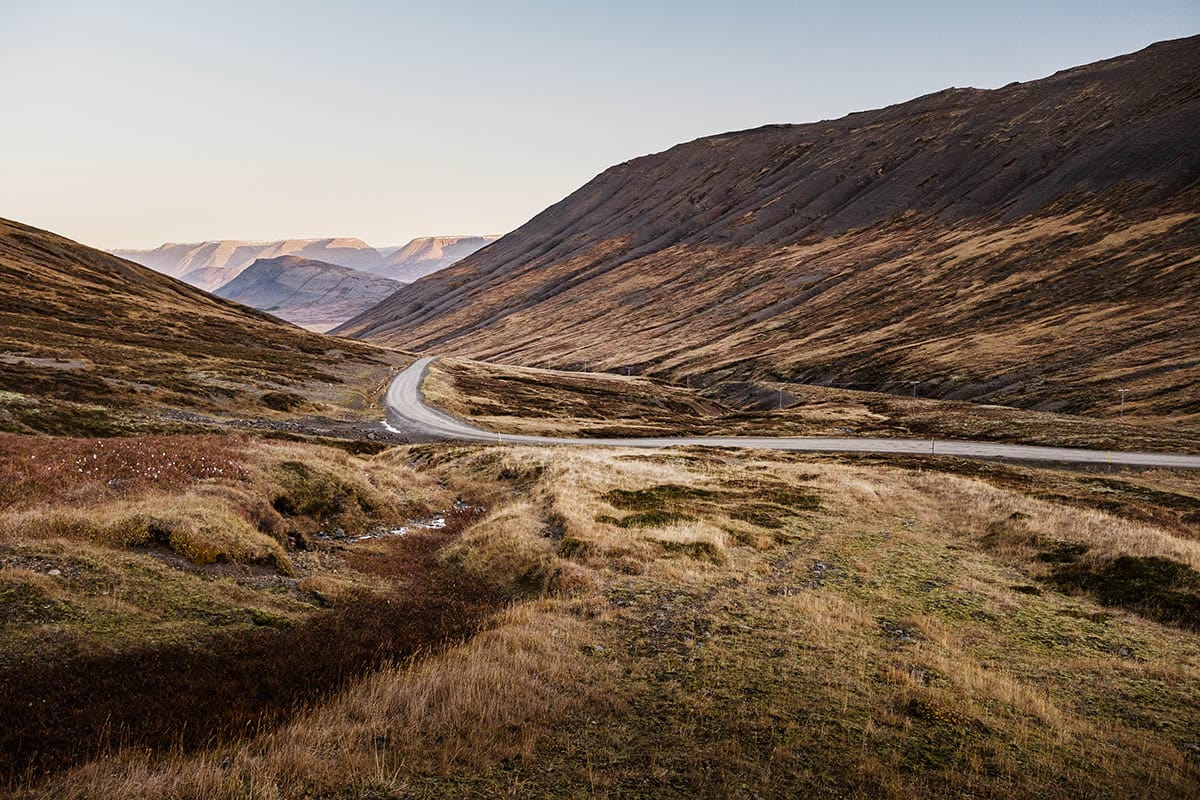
142, 123
377, 245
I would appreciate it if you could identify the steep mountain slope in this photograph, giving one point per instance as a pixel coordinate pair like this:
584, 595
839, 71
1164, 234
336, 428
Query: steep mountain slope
1036, 245
211, 264
307, 292
83, 332
428, 254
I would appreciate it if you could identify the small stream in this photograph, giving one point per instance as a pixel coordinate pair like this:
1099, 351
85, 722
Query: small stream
436, 522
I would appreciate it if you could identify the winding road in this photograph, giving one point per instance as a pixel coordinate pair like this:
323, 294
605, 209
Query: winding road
407, 413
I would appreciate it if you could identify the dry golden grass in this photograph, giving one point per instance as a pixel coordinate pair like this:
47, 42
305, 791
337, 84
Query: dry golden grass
549, 402
818, 626
556, 403
498, 696
197, 556
206, 499
1028, 526
92, 344
1055, 310
508, 552
204, 530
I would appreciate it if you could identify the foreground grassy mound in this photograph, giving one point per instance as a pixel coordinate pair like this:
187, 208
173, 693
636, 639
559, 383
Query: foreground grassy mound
775, 625
166, 592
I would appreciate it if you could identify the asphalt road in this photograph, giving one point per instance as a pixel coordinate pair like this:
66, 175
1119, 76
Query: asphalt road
407, 413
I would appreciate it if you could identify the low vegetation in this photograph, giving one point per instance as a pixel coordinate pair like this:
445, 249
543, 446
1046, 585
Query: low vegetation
94, 345
1034, 245
548, 402
771, 624
237, 587
170, 591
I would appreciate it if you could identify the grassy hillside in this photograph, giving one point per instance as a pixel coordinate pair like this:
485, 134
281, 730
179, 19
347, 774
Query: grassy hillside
1035, 245
527, 400
90, 342
675, 623
172, 591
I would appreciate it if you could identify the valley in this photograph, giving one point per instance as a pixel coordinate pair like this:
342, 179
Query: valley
849, 459
211, 265
1031, 246
91, 344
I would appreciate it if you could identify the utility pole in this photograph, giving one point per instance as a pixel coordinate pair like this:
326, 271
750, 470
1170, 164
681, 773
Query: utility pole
781, 399
1122, 391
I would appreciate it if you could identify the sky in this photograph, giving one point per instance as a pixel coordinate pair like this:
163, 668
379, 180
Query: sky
130, 124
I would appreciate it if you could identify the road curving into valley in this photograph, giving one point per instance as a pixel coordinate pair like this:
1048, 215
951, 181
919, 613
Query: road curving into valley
408, 414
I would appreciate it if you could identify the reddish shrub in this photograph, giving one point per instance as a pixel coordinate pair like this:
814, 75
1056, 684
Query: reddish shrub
36, 469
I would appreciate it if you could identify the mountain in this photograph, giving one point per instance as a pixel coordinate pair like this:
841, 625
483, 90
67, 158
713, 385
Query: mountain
310, 293
211, 264
1034, 245
428, 254
85, 334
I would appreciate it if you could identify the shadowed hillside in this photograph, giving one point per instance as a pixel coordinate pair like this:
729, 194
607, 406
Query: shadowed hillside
1035, 245
311, 293
83, 332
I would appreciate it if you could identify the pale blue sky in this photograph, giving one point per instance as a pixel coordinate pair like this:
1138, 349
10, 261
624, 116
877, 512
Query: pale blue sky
134, 123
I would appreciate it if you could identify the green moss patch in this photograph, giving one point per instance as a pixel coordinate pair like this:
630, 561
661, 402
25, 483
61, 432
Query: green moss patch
796, 498
656, 497
282, 401
25, 604
700, 551
1154, 587
657, 518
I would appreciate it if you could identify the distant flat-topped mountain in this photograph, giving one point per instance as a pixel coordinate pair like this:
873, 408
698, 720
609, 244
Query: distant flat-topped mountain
310, 293
212, 264
1036, 245
428, 254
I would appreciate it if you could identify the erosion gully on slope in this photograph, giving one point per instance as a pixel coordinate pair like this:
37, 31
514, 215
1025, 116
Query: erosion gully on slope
164, 696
